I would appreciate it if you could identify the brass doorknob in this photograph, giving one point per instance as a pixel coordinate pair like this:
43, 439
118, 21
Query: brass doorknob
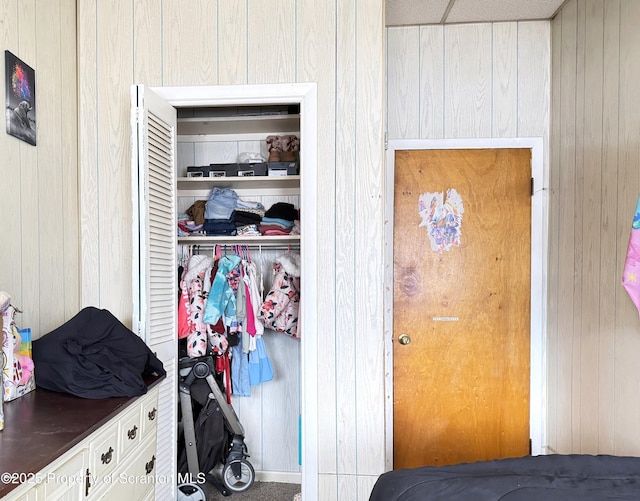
404, 339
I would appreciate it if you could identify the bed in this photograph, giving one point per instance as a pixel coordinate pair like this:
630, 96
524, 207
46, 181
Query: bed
573, 477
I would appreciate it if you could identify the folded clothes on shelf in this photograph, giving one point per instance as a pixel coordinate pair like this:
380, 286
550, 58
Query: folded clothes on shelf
282, 210
220, 227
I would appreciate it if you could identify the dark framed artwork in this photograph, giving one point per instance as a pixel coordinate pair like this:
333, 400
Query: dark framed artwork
20, 81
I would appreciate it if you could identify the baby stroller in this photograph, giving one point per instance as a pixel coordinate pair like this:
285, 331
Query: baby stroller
216, 436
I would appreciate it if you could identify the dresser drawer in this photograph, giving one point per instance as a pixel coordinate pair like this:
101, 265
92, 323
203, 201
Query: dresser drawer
104, 452
149, 414
136, 476
130, 430
132, 434
66, 479
29, 495
24, 494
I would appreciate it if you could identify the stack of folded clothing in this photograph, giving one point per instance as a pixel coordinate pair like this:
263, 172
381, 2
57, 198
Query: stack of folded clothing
187, 226
248, 215
219, 213
279, 219
192, 221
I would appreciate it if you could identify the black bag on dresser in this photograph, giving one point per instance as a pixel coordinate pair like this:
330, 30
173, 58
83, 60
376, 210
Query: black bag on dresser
94, 355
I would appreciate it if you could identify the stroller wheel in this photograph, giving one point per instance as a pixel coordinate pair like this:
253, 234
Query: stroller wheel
242, 478
190, 492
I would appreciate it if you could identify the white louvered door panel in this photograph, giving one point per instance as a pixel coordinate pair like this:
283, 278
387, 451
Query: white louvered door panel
153, 155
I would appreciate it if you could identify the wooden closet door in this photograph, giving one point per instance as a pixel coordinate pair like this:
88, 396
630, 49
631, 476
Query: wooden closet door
462, 380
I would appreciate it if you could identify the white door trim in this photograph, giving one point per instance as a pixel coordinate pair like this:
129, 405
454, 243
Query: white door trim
304, 94
539, 258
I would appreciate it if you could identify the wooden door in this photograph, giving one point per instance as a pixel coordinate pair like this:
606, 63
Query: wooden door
462, 226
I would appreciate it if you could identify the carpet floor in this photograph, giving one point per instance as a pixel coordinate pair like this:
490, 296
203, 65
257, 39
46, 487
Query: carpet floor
259, 491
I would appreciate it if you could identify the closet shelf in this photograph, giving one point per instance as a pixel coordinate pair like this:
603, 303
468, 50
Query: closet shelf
238, 125
254, 241
201, 183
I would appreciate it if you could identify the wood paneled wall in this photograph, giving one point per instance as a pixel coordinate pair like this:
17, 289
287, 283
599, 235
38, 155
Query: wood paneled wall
339, 45
594, 331
39, 246
486, 80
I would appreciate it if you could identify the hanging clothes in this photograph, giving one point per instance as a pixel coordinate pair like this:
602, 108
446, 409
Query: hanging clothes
249, 323
240, 372
222, 298
279, 311
192, 286
184, 322
254, 285
195, 286
260, 370
219, 309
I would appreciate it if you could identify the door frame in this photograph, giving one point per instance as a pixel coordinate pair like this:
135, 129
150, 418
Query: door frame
539, 260
304, 94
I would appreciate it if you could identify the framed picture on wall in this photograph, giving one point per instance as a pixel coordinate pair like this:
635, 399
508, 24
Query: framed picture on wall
20, 82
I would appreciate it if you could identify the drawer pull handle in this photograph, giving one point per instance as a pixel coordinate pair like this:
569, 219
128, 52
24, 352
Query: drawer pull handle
149, 466
87, 482
107, 456
132, 433
152, 414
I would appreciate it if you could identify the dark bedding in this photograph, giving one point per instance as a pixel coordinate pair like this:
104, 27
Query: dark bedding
573, 477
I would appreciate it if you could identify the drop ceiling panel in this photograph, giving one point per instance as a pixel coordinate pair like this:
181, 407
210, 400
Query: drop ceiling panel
409, 12
421, 12
464, 11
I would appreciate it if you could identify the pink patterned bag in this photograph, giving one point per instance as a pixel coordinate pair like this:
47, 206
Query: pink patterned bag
631, 275
17, 372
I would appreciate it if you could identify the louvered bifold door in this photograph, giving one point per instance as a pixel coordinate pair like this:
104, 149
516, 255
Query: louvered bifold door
155, 281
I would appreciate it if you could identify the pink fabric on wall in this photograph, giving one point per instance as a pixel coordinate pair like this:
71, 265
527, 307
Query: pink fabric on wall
631, 275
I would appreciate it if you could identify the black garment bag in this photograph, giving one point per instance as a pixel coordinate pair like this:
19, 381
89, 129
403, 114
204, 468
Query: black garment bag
94, 355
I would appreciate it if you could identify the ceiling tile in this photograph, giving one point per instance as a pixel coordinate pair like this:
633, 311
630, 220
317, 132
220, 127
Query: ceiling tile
465, 11
410, 12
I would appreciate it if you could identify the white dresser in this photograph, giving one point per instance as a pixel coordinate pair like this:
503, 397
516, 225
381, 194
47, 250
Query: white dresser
114, 458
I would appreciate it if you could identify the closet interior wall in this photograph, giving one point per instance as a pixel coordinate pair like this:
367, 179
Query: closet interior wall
270, 416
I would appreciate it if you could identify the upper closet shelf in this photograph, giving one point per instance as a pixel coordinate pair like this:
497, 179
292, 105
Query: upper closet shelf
202, 183
242, 127
244, 186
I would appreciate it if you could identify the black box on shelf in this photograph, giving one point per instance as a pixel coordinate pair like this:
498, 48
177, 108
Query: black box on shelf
222, 170
251, 169
283, 168
232, 170
198, 171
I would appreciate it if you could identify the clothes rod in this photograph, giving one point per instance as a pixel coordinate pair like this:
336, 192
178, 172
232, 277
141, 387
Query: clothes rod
265, 246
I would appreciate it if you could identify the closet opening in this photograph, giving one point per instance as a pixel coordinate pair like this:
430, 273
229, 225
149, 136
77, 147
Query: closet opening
224, 138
